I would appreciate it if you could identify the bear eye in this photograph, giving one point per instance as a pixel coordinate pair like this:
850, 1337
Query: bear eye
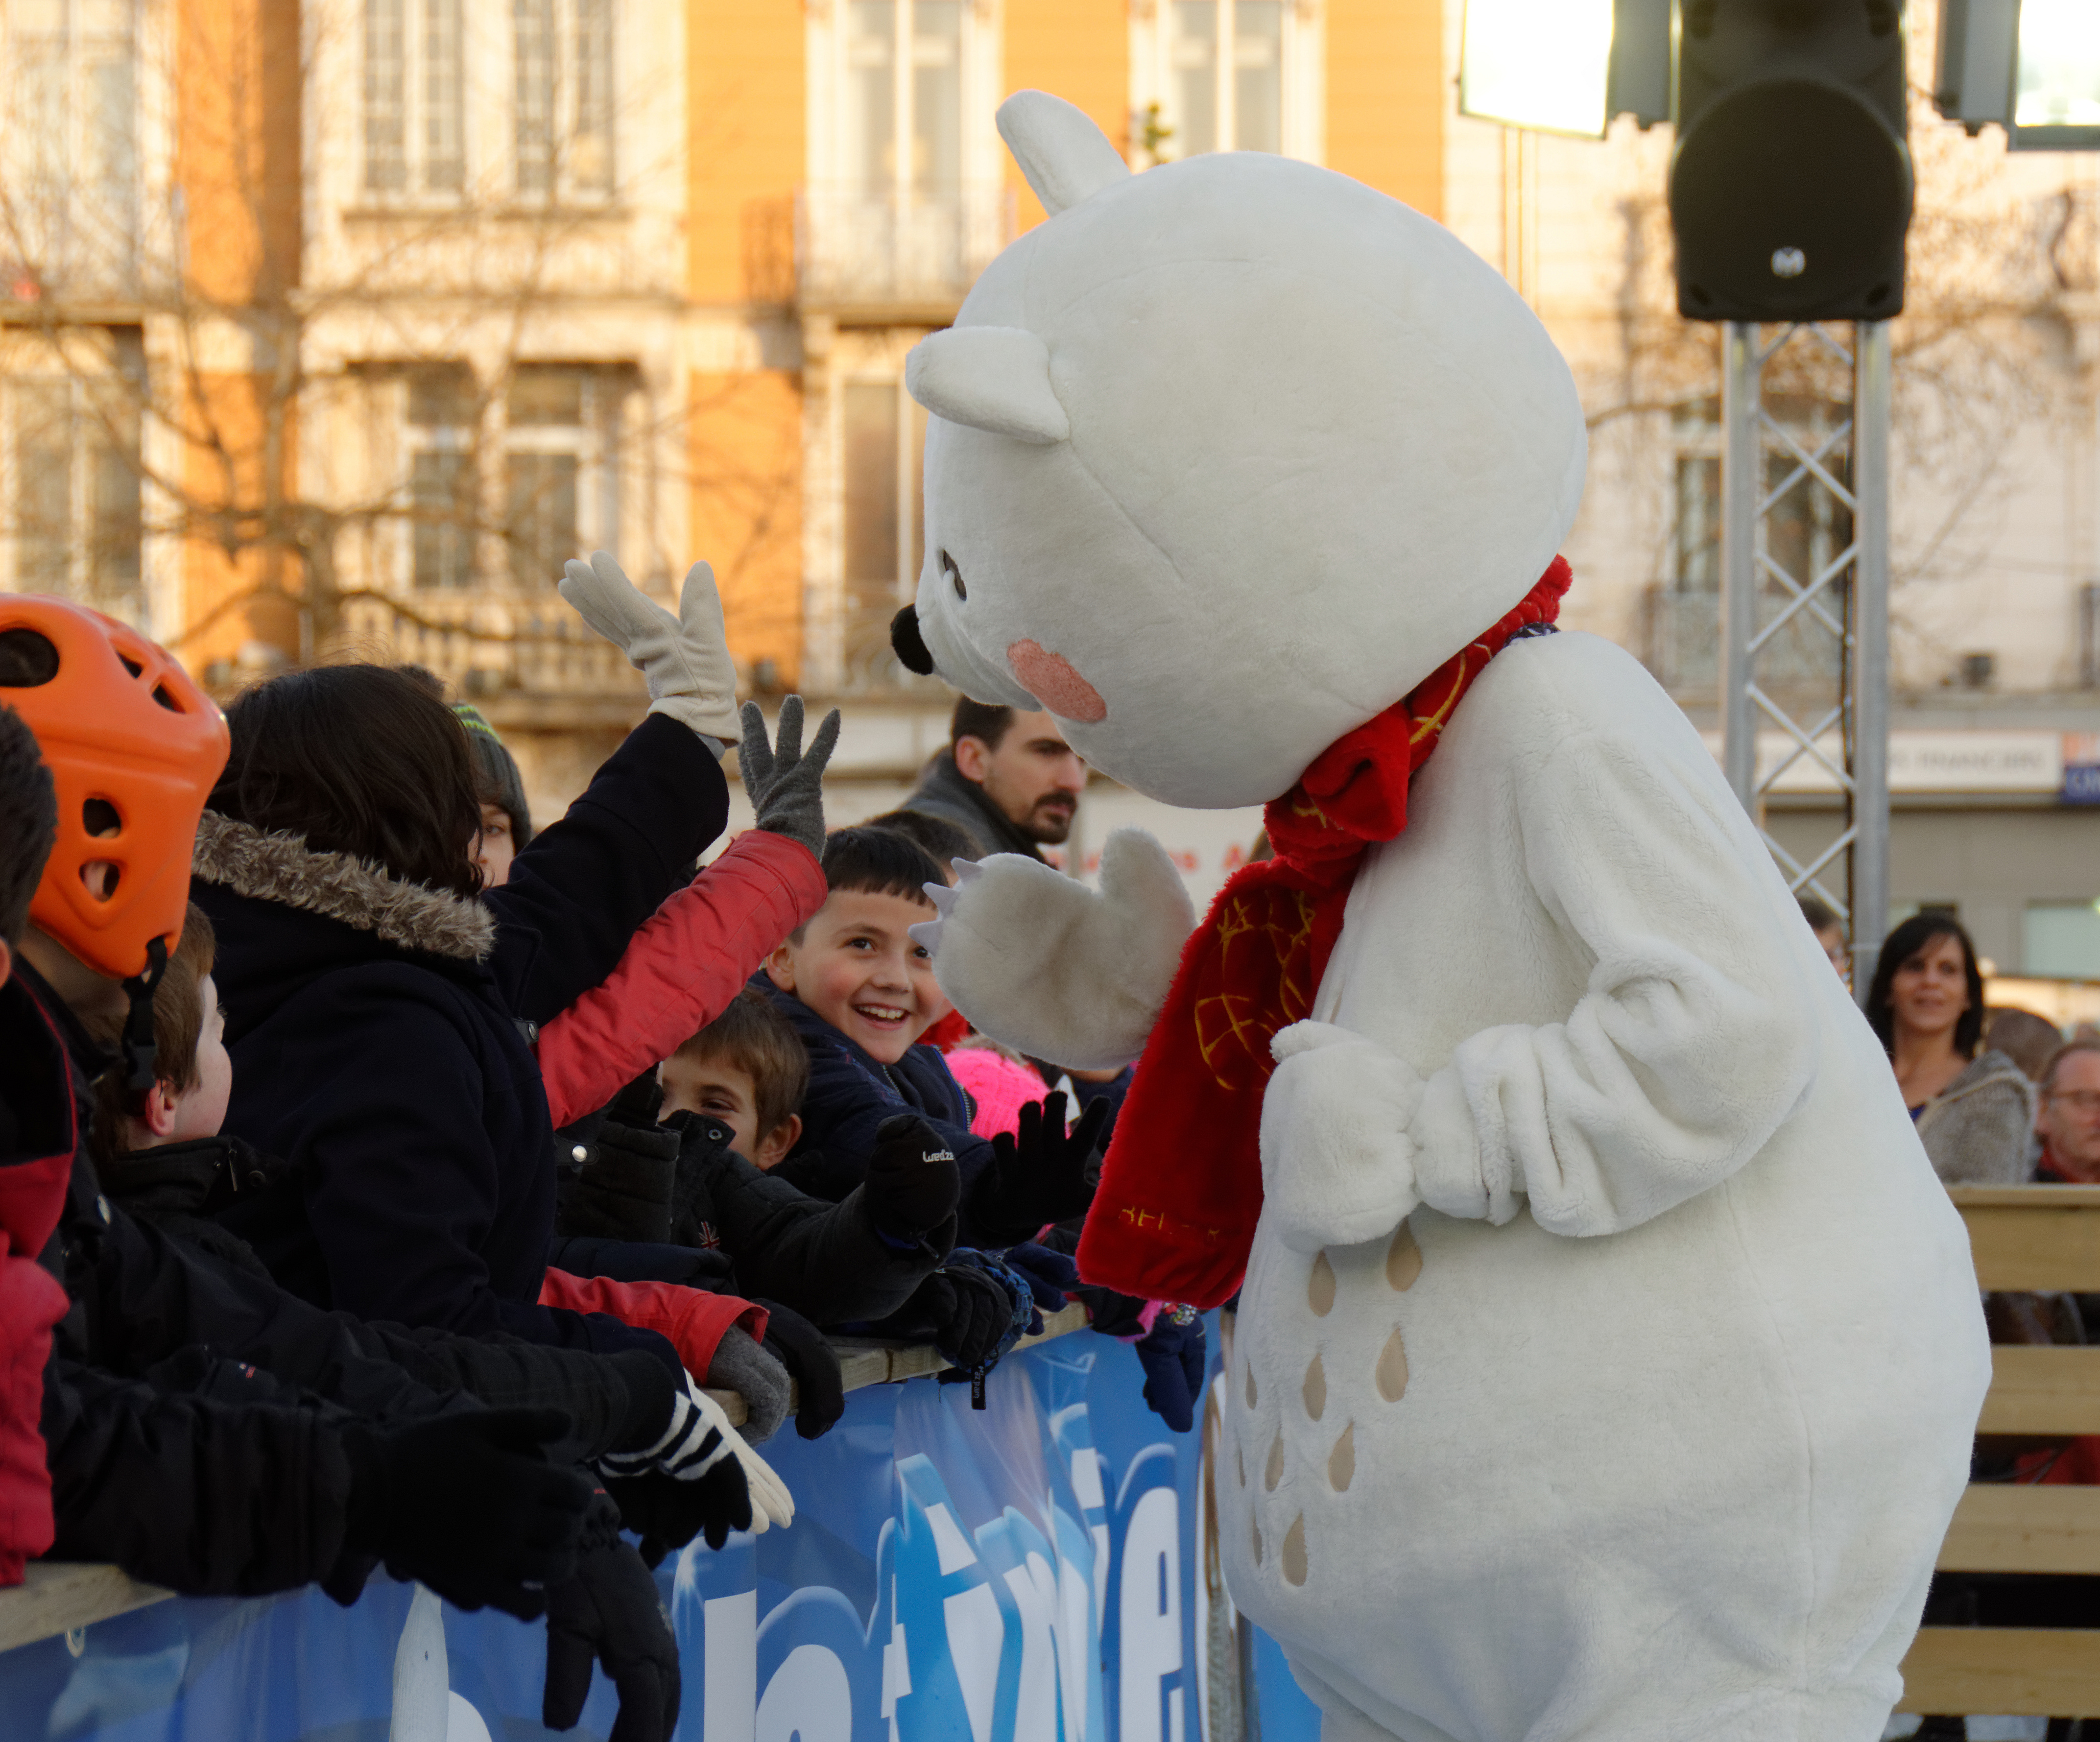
955, 576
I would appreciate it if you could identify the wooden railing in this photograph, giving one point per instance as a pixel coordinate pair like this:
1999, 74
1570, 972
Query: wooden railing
2035, 1237
62, 1596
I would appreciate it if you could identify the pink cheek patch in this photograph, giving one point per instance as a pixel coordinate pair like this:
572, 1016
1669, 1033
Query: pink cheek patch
1050, 678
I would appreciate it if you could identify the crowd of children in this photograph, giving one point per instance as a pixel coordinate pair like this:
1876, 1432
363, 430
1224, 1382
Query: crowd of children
383, 1181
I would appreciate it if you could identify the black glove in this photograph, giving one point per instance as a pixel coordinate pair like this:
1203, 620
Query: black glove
688, 1482
469, 1504
913, 1182
608, 1612
996, 1331
1171, 1354
800, 1348
621, 1189
1049, 1276
964, 1313
1043, 1175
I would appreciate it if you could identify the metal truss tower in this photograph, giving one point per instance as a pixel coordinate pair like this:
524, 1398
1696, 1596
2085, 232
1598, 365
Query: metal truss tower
1766, 608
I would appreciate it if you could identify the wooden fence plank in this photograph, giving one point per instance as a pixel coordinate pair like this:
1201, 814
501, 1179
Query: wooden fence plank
2006, 1529
55, 1596
2033, 1237
2024, 1672
2042, 1391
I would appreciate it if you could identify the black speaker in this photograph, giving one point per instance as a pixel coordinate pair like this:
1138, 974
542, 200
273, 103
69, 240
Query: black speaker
1790, 187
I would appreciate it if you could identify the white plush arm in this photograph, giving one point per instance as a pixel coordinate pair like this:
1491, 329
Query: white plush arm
1695, 1037
1039, 961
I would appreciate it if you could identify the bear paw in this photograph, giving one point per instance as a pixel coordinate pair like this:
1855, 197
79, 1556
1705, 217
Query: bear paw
1337, 1165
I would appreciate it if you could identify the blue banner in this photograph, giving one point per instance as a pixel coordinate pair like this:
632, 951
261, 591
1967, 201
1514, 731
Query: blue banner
1033, 1571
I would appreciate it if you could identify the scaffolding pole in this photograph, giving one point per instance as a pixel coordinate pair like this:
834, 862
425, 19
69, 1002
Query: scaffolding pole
1836, 604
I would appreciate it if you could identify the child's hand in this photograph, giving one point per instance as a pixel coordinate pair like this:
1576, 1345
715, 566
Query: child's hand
685, 658
913, 1182
1040, 1175
785, 784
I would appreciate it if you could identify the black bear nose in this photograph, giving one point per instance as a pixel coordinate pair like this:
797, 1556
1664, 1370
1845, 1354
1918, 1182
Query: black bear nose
905, 643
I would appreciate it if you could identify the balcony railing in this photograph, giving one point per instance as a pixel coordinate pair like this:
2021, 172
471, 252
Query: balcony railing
486, 645
858, 247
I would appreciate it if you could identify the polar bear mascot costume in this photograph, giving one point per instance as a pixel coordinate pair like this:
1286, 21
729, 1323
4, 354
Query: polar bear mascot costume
1608, 1353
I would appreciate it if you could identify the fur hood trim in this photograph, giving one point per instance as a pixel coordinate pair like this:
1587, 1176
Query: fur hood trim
280, 867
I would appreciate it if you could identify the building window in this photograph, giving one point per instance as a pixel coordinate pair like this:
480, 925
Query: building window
414, 97
77, 522
1227, 75
909, 204
562, 105
1804, 532
72, 202
883, 448
441, 425
904, 95
561, 471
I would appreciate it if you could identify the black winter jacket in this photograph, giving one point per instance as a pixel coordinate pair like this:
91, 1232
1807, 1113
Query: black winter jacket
827, 1261
379, 1031
193, 1415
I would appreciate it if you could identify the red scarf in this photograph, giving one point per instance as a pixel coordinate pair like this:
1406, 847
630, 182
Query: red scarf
1180, 1191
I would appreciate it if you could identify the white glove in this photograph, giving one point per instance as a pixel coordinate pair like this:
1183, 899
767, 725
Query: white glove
685, 658
1041, 962
1337, 1165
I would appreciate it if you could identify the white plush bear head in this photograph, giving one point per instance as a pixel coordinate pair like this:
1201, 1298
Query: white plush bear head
1225, 459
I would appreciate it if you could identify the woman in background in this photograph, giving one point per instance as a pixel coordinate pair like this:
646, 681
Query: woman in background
1975, 1109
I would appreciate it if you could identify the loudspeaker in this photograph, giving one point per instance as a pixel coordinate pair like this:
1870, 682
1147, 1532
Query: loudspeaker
1790, 187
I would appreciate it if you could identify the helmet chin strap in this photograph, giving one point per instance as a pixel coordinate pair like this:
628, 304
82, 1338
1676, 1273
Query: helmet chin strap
138, 1022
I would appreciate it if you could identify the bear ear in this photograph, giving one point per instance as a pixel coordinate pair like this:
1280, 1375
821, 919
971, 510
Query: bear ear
994, 378
1064, 155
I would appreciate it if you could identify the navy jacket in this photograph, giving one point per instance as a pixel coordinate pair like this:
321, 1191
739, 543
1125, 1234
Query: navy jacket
850, 1095
380, 1036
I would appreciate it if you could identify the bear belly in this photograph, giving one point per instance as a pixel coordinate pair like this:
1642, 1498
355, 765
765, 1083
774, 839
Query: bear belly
1497, 1483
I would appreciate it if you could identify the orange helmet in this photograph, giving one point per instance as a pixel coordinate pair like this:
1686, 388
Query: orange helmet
133, 747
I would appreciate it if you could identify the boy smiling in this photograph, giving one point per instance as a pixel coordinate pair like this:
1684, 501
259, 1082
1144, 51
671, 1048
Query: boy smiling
860, 992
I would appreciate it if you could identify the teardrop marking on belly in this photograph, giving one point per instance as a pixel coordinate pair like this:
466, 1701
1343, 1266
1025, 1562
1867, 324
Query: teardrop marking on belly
1391, 1373
1316, 1388
1274, 1473
1293, 1552
1254, 1523
1251, 1394
1403, 1259
1239, 1458
1342, 1461
1320, 1287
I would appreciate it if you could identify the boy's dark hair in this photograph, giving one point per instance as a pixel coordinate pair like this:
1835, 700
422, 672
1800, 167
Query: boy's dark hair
357, 759
867, 861
757, 1040
982, 721
1907, 941
179, 1015
28, 822
942, 839
496, 777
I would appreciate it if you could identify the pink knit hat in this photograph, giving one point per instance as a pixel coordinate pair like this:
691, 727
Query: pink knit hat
1000, 1088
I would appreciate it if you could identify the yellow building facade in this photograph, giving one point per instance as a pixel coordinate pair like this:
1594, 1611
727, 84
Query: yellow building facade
335, 329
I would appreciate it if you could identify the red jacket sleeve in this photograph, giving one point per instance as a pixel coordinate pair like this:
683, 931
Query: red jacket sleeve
680, 971
692, 1319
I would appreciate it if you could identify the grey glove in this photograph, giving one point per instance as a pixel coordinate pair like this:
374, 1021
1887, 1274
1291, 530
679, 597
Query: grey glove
741, 1366
685, 658
786, 783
